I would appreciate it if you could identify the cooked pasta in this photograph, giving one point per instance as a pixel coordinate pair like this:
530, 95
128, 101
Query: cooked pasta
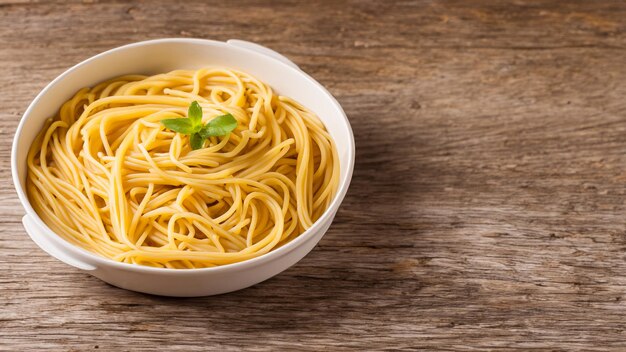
107, 176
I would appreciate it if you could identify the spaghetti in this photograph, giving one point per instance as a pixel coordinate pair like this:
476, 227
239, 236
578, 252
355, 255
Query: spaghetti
107, 176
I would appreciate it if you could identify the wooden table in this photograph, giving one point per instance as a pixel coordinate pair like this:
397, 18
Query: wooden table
487, 209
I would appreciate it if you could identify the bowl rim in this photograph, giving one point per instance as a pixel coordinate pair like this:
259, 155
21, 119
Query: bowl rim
100, 261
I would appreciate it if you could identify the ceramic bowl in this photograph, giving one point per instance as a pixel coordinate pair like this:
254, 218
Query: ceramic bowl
163, 55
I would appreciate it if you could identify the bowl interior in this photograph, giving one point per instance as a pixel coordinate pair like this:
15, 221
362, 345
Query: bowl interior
164, 55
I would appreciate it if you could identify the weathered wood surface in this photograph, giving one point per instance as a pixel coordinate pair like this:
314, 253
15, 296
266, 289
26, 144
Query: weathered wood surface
487, 210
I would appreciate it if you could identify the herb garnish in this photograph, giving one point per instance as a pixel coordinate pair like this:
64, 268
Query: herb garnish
197, 132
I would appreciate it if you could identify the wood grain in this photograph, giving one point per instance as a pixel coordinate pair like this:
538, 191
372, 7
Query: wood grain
487, 206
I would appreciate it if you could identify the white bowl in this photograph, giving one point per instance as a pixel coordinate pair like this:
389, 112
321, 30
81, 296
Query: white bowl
163, 55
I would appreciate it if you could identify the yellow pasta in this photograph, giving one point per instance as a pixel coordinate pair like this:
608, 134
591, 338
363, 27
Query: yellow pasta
107, 176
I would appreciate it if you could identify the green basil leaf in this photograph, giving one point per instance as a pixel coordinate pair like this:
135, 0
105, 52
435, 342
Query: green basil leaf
192, 126
219, 126
180, 125
195, 115
196, 141
204, 132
